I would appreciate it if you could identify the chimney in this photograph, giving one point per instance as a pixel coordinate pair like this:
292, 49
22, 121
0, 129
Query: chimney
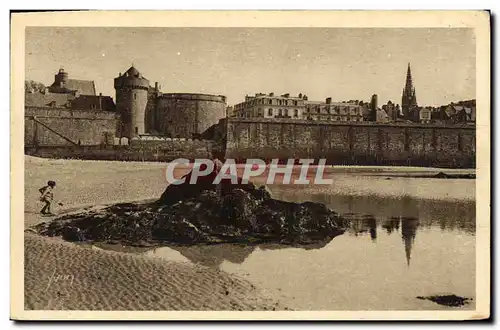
100, 101
328, 100
156, 85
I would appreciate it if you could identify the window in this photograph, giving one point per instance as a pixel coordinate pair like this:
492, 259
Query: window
280, 112
270, 112
136, 129
318, 109
135, 96
296, 112
294, 102
270, 101
286, 112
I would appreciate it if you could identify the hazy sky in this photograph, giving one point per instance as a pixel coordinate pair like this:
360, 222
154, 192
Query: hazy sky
349, 63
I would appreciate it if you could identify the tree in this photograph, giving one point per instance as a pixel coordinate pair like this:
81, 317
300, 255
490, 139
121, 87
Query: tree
33, 86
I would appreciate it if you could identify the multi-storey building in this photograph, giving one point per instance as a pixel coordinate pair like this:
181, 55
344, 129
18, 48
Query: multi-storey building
271, 106
286, 106
333, 111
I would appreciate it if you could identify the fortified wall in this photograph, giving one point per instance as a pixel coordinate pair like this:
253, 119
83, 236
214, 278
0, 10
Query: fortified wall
155, 151
46, 127
185, 115
351, 143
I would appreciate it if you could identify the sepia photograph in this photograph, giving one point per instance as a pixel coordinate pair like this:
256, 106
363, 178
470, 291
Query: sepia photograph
250, 165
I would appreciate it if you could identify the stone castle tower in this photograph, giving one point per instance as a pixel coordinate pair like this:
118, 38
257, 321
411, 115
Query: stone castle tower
131, 100
409, 97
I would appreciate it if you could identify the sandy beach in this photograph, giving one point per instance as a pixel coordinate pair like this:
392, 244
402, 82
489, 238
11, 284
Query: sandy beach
63, 276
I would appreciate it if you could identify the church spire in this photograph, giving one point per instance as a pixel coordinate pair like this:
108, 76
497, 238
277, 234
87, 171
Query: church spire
409, 80
409, 98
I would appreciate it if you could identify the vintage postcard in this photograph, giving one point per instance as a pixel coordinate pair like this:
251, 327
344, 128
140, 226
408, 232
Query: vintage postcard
250, 165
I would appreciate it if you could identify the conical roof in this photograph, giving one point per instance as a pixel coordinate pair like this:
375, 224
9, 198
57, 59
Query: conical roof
132, 71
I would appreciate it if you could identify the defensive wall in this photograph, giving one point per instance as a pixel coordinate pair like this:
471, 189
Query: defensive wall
340, 143
64, 133
184, 115
44, 127
159, 149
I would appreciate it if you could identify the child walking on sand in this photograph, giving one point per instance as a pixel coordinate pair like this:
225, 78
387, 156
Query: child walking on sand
47, 196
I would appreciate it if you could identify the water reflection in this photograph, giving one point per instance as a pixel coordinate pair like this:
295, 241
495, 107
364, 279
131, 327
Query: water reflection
395, 249
367, 223
215, 255
444, 214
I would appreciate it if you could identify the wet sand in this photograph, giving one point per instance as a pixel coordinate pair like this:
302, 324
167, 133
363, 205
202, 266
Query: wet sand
63, 276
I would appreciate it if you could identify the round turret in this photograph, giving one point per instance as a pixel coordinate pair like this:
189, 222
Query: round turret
61, 78
131, 100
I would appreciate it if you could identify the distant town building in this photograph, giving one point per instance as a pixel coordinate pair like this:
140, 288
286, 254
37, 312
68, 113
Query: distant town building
299, 107
230, 111
333, 111
70, 94
409, 97
460, 113
271, 106
62, 84
392, 110
381, 116
424, 115
455, 112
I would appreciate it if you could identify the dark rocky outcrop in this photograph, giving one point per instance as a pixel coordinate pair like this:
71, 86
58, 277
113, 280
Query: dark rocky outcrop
447, 300
201, 213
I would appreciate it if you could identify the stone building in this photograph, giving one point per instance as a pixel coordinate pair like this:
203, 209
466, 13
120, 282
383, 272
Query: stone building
392, 110
145, 110
63, 85
424, 115
271, 106
69, 94
333, 111
131, 100
409, 97
297, 107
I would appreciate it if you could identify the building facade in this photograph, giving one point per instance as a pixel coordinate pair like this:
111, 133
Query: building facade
333, 111
271, 106
65, 93
63, 85
297, 107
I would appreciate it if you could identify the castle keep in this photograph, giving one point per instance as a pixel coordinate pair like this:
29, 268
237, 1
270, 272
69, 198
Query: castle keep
145, 110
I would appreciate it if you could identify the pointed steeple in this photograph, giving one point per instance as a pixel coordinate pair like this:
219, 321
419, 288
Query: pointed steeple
408, 98
409, 80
